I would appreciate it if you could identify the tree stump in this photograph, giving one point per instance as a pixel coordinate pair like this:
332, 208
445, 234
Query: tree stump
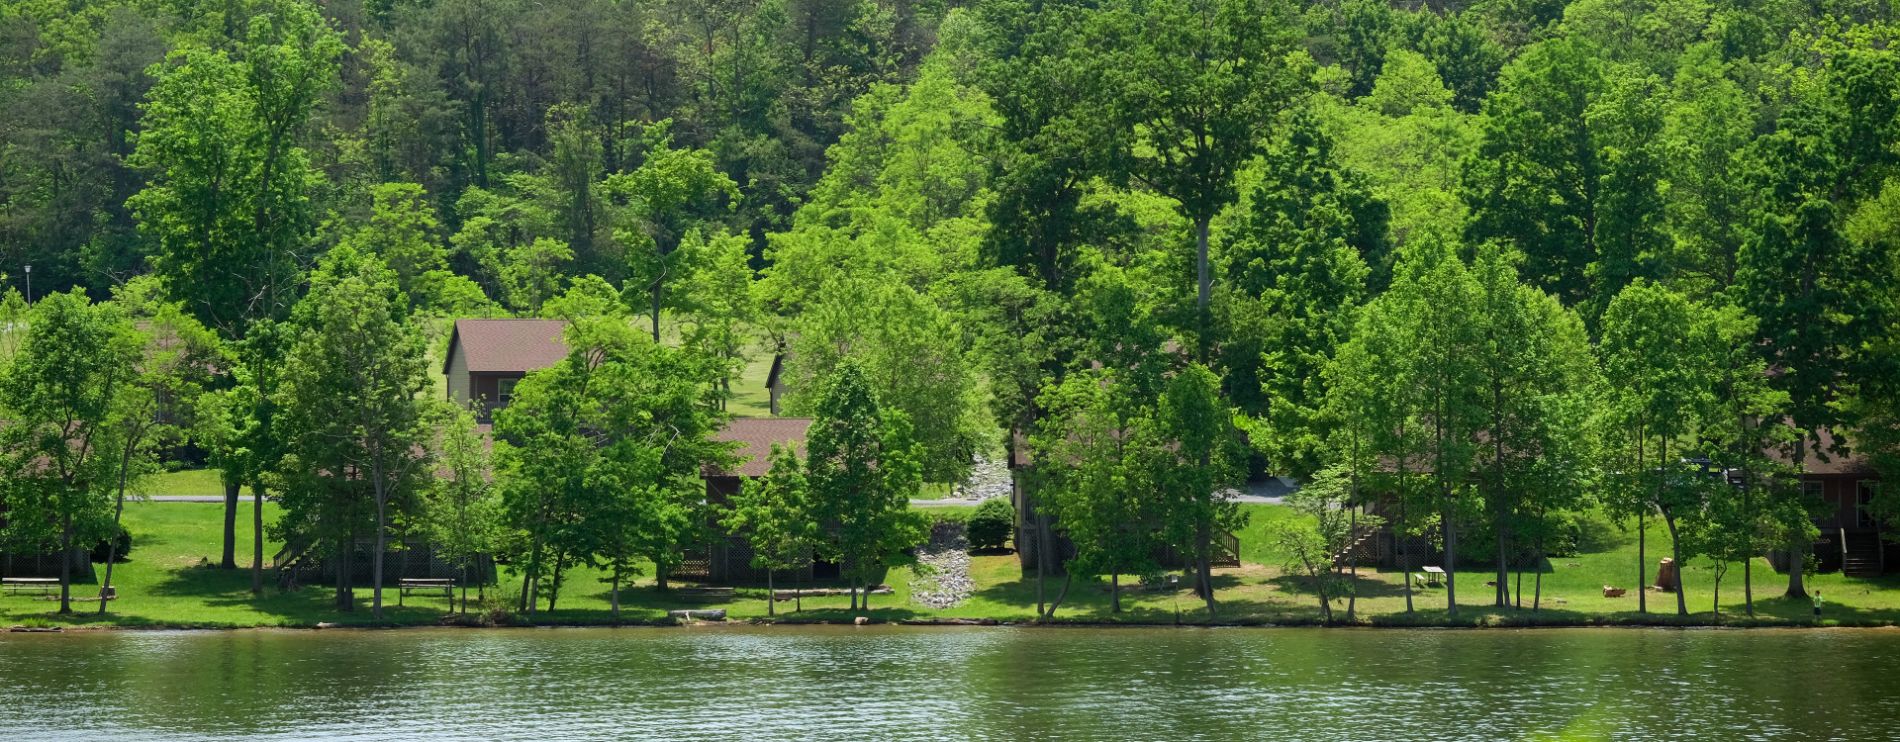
1668, 579
1612, 592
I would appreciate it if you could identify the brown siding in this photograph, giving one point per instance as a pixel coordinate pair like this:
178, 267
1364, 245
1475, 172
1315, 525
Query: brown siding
487, 388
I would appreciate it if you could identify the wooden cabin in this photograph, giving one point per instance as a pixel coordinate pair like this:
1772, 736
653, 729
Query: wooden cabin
727, 559
1843, 488
486, 357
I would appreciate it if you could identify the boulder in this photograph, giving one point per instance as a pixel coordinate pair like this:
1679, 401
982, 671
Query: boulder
860, 621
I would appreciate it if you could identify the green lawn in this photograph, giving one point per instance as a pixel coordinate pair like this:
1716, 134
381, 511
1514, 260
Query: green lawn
187, 482
170, 581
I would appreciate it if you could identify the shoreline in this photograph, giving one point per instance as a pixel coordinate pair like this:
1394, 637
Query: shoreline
1658, 622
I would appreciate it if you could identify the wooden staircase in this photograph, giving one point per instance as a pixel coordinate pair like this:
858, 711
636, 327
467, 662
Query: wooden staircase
1226, 551
1362, 538
1860, 554
290, 560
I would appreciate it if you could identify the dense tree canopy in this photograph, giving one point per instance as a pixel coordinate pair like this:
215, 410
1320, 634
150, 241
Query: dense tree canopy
1485, 264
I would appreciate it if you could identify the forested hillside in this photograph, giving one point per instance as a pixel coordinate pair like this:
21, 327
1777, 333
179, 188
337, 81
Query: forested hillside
1491, 260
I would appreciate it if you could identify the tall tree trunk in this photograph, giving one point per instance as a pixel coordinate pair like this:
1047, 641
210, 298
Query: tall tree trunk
376, 559
1498, 494
1642, 562
1398, 528
345, 567
1203, 277
1675, 552
1451, 555
1044, 562
66, 564
257, 539
655, 292
1797, 564
1115, 592
554, 585
1503, 593
1204, 567
1352, 584
1319, 589
1798, 551
614, 596
1748, 585
464, 589
1404, 549
1537, 599
1642, 557
531, 577
771, 595
118, 515
229, 560
1061, 594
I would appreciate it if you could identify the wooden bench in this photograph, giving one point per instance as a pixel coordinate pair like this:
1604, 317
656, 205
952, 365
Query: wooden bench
40, 585
1434, 574
408, 584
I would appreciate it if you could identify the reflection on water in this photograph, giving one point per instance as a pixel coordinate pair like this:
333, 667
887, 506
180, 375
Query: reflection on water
895, 683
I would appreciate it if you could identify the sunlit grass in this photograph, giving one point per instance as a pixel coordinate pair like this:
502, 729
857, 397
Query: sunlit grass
170, 581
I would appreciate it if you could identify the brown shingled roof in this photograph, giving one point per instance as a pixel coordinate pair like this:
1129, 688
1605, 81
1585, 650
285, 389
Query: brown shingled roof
1833, 463
755, 436
503, 345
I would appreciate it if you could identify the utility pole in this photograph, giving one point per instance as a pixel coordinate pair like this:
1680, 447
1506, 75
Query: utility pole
29, 284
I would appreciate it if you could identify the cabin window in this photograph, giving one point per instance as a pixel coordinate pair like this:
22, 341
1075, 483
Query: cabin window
1864, 503
504, 392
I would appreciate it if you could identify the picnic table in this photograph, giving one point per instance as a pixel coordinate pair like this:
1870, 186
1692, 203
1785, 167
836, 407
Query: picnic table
407, 584
1434, 575
35, 584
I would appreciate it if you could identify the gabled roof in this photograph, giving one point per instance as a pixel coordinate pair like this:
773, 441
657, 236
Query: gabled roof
755, 436
778, 367
507, 345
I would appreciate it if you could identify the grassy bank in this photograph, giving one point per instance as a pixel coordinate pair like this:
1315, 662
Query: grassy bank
171, 581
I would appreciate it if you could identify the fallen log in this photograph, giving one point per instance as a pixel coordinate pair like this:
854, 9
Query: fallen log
695, 614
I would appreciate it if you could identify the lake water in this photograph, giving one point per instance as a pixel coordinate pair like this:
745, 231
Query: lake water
977, 683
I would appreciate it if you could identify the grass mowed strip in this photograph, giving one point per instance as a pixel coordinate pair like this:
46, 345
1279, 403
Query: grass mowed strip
188, 482
171, 579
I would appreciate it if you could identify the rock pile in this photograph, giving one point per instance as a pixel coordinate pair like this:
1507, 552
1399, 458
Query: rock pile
943, 568
987, 479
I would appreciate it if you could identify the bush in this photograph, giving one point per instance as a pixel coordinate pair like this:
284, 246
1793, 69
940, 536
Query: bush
989, 528
124, 540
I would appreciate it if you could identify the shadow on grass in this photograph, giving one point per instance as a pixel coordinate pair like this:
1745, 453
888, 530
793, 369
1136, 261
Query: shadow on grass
1364, 586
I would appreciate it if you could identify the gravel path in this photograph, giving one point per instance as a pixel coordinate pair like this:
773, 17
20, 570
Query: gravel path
944, 568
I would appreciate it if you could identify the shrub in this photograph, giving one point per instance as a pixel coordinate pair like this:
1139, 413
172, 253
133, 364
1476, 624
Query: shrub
990, 526
124, 540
